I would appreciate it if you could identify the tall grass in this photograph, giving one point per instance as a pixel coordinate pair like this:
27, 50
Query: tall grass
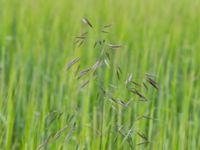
40, 102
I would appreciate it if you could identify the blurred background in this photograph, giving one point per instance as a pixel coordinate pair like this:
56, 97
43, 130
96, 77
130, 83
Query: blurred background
40, 104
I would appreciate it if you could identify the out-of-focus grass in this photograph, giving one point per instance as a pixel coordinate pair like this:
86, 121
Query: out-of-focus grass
36, 41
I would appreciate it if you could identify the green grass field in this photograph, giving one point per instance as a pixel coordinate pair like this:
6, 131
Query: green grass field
41, 104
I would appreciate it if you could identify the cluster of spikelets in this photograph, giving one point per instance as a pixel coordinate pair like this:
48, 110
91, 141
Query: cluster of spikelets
103, 61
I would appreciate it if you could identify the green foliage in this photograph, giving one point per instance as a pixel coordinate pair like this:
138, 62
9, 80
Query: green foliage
41, 102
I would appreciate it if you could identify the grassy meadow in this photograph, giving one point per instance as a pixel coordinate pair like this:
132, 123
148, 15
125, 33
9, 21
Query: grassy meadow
42, 105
